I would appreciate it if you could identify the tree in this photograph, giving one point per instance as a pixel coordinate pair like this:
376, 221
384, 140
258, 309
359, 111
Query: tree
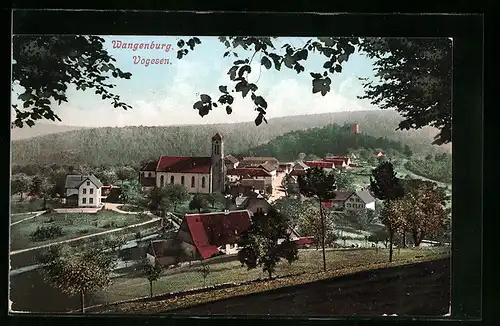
40, 188
424, 209
131, 193
301, 156
317, 183
198, 202
415, 76
204, 270
77, 271
266, 242
407, 151
44, 66
291, 208
175, 194
19, 184
215, 198
151, 273
107, 176
126, 173
384, 185
345, 181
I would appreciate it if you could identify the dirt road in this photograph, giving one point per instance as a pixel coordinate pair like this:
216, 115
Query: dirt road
419, 289
278, 190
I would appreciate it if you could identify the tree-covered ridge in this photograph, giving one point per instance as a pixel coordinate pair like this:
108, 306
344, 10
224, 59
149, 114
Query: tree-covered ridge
133, 144
332, 139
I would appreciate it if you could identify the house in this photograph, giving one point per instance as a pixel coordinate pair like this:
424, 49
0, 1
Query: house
162, 252
258, 173
252, 202
231, 162
257, 160
300, 166
360, 200
203, 236
379, 154
246, 186
285, 167
336, 159
353, 200
83, 190
197, 174
320, 164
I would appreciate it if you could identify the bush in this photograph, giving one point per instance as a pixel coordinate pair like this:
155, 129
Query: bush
43, 233
83, 231
138, 235
49, 220
142, 216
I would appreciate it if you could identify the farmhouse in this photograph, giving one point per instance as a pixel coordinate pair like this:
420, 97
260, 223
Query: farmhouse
197, 174
258, 173
353, 200
205, 235
83, 190
253, 202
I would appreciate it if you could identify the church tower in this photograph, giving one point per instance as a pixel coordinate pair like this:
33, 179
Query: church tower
218, 172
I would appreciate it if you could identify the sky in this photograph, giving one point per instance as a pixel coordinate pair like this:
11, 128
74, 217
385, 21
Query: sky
165, 94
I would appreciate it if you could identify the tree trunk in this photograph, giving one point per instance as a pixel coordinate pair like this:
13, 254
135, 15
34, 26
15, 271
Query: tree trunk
416, 238
151, 289
21, 199
44, 203
82, 302
391, 238
270, 274
322, 235
404, 239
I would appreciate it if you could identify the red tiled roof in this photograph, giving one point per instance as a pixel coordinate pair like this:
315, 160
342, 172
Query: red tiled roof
184, 164
262, 159
335, 159
319, 164
230, 159
304, 240
342, 195
212, 230
252, 172
150, 166
217, 136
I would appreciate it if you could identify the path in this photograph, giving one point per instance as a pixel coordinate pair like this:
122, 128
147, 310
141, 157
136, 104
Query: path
278, 190
85, 236
114, 207
28, 218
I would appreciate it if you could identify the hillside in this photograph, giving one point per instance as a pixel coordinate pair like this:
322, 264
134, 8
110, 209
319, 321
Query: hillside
41, 129
333, 139
132, 144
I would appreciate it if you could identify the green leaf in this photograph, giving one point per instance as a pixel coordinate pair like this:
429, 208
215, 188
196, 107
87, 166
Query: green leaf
239, 62
198, 105
327, 64
302, 54
196, 40
214, 104
342, 57
223, 89
229, 110
338, 68
30, 123
266, 62
180, 43
226, 54
258, 120
242, 70
315, 75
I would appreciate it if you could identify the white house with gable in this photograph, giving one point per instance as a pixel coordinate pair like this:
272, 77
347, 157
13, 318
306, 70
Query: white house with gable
83, 190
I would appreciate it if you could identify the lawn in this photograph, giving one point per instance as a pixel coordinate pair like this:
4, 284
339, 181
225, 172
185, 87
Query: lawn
309, 262
19, 217
31, 205
131, 208
72, 225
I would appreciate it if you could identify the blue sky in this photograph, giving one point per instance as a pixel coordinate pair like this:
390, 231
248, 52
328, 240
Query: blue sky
164, 94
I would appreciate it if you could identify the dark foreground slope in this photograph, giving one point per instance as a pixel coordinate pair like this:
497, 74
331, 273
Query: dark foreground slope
418, 289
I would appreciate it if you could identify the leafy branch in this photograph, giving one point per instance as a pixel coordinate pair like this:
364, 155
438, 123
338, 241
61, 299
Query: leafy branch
337, 50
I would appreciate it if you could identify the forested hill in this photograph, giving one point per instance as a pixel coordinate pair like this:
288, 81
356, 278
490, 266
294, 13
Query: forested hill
332, 139
133, 144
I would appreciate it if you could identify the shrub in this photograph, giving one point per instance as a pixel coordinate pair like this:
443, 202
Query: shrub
142, 216
43, 233
49, 220
138, 235
83, 231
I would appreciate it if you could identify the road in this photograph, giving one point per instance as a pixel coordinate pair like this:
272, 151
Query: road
419, 289
278, 190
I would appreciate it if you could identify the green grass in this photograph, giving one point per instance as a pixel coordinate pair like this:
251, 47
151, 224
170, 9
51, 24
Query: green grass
310, 261
72, 224
17, 218
34, 205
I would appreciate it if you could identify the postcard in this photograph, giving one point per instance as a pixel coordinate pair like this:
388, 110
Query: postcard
231, 175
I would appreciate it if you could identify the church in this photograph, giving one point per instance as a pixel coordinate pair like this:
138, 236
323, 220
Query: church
201, 175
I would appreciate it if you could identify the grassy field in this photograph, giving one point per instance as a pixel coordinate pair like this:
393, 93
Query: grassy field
130, 208
72, 225
19, 217
309, 262
31, 205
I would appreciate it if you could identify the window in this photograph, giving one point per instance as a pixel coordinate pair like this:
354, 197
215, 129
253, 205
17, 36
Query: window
91, 200
162, 181
192, 182
203, 182
84, 191
84, 200
259, 210
91, 191
231, 246
348, 205
182, 180
88, 183
172, 179
149, 174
